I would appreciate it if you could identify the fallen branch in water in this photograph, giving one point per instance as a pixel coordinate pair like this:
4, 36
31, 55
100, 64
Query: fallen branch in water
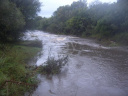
53, 66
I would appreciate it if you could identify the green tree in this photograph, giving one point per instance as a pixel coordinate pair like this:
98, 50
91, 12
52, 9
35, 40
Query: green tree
76, 25
11, 21
29, 8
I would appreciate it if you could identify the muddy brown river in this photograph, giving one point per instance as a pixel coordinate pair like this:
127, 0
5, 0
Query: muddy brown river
92, 69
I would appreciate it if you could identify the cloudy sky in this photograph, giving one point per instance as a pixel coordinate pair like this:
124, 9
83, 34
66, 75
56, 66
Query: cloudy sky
49, 6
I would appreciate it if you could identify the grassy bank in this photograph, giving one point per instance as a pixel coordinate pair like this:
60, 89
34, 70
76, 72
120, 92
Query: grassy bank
15, 76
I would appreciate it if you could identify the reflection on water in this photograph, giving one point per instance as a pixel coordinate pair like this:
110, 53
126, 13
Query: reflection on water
92, 70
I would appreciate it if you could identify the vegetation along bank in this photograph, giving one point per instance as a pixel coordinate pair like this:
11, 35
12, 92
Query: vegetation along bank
15, 75
102, 21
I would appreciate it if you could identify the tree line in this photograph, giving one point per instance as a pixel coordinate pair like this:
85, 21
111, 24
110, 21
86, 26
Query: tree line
99, 20
15, 17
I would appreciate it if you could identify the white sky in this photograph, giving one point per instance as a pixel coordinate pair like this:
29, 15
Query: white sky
49, 6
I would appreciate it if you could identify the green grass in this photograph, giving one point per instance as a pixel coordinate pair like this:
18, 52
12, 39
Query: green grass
13, 66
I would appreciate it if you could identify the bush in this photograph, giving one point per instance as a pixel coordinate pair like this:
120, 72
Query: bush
53, 66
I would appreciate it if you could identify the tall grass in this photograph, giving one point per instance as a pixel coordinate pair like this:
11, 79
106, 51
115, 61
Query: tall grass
13, 62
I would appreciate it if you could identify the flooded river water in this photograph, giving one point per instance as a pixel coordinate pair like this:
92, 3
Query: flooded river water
92, 70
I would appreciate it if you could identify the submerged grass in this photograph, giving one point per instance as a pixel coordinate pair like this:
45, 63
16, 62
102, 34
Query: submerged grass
13, 67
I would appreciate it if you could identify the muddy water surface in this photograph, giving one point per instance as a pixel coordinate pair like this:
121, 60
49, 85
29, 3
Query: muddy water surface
92, 70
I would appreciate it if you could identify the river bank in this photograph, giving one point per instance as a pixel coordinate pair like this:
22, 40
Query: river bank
15, 74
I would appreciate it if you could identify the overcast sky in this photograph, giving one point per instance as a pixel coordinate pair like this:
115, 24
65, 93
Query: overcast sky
49, 6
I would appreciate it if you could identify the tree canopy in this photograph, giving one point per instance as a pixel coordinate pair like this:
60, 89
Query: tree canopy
15, 16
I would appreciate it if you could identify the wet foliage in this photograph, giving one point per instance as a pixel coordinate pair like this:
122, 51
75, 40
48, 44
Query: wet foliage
53, 66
